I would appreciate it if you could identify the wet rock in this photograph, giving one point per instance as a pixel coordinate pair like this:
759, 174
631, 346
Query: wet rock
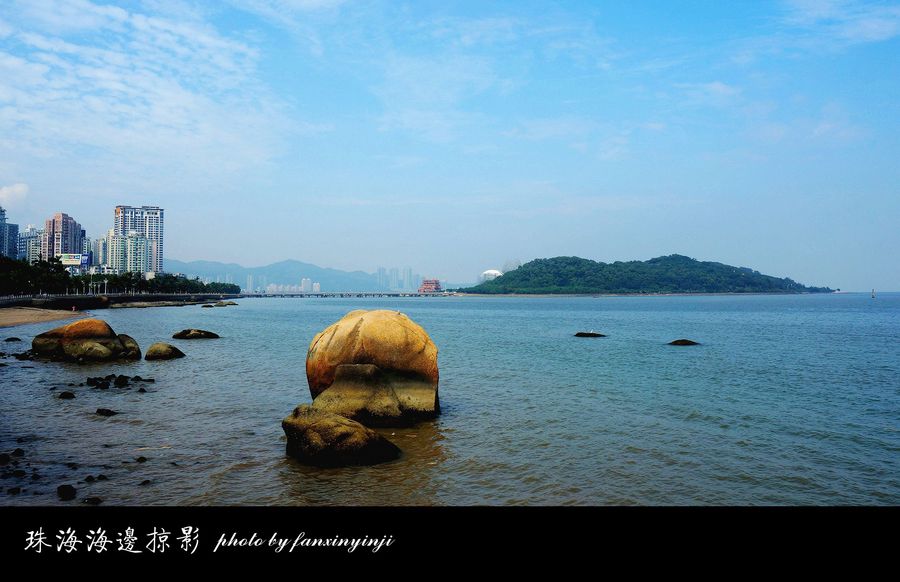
325, 439
89, 478
589, 334
121, 381
195, 334
684, 342
141, 460
14, 490
66, 492
145, 482
106, 412
24, 356
224, 303
73, 466
18, 453
66, 395
209, 305
163, 351
92, 501
132, 349
85, 340
19, 473
102, 477
4, 459
405, 373
12, 339
142, 390
35, 477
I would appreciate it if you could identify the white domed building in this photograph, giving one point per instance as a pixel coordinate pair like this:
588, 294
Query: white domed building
489, 275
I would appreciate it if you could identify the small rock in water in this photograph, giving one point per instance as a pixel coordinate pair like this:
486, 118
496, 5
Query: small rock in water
106, 412
92, 501
121, 381
589, 334
66, 395
14, 490
66, 492
4, 459
72, 466
137, 379
89, 478
18, 453
12, 339
19, 473
102, 477
103, 385
684, 342
145, 482
142, 390
141, 459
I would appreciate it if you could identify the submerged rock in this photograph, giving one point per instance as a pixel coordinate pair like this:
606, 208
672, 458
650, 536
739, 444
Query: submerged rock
208, 305
12, 339
324, 439
195, 334
589, 334
66, 395
163, 351
106, 412
402, 354
66, 492
684, 342
84, 340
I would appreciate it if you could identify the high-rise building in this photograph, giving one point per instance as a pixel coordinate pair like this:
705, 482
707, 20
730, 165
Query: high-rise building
130, 253
100, 252
382, 278
305, 285
9, 237
317, 288
394, 278
61, 235
147, 221
249, 287
29, 245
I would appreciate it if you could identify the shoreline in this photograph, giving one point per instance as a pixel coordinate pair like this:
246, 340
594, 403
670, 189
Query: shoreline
600, 295
13, 316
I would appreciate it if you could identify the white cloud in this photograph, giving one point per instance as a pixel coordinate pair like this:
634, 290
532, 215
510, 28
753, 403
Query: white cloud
145, 98
846, 21
13, 194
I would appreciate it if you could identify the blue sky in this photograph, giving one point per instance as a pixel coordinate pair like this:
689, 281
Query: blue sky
455, 136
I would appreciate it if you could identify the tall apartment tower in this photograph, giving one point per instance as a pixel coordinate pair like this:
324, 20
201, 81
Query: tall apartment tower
29, 246
147, 221
61, 235
9, 237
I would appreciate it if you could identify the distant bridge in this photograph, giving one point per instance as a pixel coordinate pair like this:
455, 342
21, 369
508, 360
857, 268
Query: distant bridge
327, 294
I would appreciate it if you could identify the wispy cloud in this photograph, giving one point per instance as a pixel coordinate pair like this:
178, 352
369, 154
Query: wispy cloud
152, 96
848, 21
13, 194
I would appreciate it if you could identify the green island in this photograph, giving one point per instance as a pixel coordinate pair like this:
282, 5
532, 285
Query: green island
669, 274
20, 278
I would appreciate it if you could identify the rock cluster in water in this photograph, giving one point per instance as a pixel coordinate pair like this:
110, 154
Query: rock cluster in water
376, 368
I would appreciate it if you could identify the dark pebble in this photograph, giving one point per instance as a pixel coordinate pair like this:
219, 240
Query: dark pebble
18, 453
142, 391
141, 459
102, 477
14, 490
110, 377
12, 339
66, 492
72, 466
121, 381
173, 463
66, 395
145, 482
103, 385
92, 500
89, 479
137, 379
106, 412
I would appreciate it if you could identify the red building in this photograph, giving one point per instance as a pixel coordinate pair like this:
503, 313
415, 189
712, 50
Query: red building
430, 286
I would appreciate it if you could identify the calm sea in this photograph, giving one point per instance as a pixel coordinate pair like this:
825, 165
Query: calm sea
790, 400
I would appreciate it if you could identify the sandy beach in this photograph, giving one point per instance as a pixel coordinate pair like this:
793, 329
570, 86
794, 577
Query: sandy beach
11, 316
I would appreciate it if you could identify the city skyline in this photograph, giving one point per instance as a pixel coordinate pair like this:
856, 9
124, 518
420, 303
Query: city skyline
455, 137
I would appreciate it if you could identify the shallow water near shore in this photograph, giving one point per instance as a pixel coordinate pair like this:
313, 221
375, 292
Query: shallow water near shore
789, 400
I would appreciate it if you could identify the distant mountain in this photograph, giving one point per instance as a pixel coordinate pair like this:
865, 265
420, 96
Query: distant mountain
670, 274
283, 273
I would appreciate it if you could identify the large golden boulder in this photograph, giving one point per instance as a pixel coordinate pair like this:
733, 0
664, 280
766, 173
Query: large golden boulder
85, 340
378, 367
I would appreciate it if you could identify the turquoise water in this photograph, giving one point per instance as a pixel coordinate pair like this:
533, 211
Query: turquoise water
790, 400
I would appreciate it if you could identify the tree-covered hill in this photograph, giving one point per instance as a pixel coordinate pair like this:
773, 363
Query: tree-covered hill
670, 274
